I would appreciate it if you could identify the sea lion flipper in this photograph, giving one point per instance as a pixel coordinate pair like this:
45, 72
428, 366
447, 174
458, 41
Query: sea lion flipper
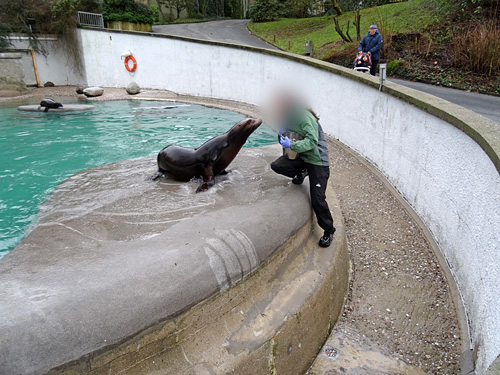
157, 176
46, 109
208, 179
205, 185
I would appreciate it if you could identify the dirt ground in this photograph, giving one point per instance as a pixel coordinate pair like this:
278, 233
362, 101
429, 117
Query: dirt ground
399, 297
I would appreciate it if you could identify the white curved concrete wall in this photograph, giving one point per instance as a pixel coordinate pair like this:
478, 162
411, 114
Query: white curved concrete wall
444, 174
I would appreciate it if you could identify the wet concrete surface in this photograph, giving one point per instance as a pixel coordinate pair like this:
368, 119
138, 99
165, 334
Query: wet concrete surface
347, 351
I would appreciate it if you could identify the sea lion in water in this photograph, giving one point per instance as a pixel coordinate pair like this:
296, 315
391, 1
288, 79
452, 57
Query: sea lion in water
49, 103
207, 161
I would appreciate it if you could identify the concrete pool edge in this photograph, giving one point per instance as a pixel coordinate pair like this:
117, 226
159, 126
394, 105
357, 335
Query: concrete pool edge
264, 324
68, 284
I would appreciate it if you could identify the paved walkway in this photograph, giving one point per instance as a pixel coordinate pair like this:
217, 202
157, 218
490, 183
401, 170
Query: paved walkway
235, 31
486, 105
227, 31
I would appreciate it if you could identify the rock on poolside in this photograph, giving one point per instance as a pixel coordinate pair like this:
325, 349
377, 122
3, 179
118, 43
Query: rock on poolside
93, 91
133, 88
48, 84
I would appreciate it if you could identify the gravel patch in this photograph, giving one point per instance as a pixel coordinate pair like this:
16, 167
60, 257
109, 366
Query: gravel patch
399, 297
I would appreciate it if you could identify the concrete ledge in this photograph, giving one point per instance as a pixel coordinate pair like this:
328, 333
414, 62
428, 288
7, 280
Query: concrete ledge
107, 279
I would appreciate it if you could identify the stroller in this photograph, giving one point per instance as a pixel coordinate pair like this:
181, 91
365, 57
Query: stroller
363, 62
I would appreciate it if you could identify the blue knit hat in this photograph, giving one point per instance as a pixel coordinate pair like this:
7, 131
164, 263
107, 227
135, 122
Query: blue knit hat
373, 26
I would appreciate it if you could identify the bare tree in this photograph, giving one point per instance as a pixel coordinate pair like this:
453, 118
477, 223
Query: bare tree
357, 23
178, 5
336, 7
338, 28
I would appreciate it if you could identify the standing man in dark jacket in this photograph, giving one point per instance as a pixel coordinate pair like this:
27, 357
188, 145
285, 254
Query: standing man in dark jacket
372, 43
312, 161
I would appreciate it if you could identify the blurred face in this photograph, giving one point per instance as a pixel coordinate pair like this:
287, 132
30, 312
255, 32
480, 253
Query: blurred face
372, 31
281, 105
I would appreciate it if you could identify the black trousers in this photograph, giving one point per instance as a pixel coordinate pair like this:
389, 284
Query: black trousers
373, 70
318, 179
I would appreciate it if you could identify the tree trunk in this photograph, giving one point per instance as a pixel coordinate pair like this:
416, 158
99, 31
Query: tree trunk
347, 31
339, 30
358, 23
162, 4
203, 7
336, 7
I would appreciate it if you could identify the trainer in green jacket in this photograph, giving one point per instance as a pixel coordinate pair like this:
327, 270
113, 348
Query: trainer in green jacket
312, 161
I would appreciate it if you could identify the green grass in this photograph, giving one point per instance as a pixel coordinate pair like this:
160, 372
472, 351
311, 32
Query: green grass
291, 34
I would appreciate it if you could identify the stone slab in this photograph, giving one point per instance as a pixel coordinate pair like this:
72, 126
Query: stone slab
64, 108
114, 253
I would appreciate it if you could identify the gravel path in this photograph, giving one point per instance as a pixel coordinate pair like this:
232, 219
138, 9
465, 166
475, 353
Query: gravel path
399, 296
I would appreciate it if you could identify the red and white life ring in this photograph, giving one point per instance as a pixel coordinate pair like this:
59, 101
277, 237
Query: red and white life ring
134, 67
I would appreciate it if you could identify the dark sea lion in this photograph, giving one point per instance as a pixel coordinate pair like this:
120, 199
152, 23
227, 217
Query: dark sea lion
49, 103
207, 161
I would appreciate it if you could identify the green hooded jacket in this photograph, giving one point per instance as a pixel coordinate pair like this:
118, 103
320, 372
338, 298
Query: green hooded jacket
313, 148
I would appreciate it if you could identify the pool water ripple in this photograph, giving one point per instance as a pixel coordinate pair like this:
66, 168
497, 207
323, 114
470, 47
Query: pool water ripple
40, 150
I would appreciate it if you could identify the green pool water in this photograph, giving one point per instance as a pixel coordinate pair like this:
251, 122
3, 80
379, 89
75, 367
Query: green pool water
40, 150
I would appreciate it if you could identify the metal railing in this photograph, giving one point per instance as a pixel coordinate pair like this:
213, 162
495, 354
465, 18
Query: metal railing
90, 19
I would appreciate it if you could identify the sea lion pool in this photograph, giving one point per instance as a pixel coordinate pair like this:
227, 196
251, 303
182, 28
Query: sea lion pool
40, 150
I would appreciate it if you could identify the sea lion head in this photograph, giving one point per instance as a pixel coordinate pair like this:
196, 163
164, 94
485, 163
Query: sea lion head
243, 129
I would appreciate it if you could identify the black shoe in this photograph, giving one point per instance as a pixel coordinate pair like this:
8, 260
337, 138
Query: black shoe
327, 239
299, 179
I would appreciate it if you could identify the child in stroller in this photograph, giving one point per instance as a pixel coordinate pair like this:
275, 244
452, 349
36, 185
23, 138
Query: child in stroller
363, 62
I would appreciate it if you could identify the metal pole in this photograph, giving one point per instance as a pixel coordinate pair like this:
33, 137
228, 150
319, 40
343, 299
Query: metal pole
382, 75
